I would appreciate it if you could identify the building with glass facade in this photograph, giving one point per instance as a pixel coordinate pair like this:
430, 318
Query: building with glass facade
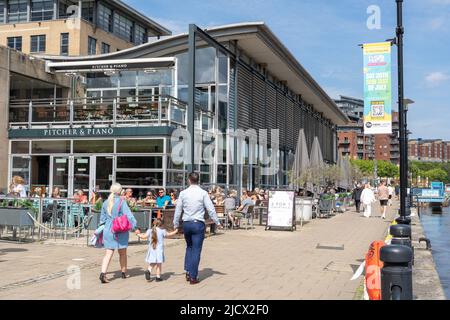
116, 120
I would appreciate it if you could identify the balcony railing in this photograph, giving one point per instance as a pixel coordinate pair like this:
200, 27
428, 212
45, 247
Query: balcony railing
150, 110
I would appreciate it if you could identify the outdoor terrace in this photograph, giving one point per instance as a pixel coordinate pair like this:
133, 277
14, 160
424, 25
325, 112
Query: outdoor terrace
153, 110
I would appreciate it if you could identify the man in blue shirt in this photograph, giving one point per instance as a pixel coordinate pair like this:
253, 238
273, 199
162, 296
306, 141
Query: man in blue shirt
163, 199
192, 203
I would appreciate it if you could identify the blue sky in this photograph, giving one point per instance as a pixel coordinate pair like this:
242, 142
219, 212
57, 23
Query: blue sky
324, 34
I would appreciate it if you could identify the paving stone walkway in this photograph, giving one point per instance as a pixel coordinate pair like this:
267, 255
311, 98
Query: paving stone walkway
315, 262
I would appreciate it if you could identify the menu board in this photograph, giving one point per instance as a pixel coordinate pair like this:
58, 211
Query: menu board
281, 210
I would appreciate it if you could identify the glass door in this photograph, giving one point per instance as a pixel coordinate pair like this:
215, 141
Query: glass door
60, 175
81, 174
103, 178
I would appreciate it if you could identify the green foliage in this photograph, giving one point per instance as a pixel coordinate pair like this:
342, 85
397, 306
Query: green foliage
386, 169
98, 205
434, 171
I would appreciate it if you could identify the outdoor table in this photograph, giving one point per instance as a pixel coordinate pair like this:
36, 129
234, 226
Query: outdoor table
261, 211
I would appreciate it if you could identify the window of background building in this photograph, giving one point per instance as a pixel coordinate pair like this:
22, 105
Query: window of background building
64, 44
17, 10
105, 18
38, 43
92, 46
87, 11
67, 8
41, 10
140, 35
2, 11
106, 48
15, 43
123, 27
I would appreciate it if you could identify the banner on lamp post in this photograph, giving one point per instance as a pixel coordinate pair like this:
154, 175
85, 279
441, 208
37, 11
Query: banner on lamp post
377, 88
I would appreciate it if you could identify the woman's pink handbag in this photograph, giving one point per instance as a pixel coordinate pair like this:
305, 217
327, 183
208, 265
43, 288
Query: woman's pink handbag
121, 223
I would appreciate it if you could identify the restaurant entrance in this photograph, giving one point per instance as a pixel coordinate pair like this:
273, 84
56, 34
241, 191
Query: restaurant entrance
87, 173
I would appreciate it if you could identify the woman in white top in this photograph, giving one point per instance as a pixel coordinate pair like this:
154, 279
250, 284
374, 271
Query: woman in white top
367, 198
19, 186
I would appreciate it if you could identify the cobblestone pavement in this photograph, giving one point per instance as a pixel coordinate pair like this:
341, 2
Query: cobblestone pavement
315, 262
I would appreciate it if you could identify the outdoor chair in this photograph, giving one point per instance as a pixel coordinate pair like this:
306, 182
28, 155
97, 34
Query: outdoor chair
220, 211
246, 216
325, 208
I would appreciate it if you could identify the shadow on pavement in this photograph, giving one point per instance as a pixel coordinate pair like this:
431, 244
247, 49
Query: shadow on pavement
208, 272
11, 250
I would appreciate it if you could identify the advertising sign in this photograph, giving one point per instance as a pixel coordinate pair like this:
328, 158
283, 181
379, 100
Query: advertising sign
281, 210
377, 88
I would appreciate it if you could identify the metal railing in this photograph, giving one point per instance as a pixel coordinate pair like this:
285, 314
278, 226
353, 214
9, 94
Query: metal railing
151, 110
49, 217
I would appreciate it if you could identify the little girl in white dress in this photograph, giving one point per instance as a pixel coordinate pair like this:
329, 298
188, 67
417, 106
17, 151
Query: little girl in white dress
155, 254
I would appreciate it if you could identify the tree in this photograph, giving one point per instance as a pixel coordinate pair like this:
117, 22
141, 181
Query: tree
436, 175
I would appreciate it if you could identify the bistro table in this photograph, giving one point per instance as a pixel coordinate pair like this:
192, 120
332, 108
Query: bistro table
261, 211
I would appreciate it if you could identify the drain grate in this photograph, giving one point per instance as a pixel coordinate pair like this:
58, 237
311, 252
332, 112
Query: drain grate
330, 247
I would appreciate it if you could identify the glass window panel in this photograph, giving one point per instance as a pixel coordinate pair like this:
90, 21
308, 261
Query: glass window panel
123, 27
139, 178
15, 43
64, 44
87, 11
67, 8
139, 162
105, 18
21, 167
100, 80
2, 8
55, 146
41, 10
175, 178
205, 60
17, 11
140, 146
171, 165
20, 147
155, 77
92, 46
93, 146
127, 79
38, 43
140, 35
223, 69
106, 48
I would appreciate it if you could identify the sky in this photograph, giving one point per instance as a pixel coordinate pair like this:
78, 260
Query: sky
324, 35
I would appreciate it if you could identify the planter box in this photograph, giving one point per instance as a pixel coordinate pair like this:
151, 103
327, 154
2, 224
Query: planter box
15, 217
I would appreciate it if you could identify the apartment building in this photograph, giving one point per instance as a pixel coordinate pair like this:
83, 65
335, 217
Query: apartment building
433, 150
74, 28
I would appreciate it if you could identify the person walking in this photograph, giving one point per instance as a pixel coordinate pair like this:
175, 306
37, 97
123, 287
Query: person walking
367, 198
155, 254
115, 207
383, 196
192, 202
391, 194
357, 197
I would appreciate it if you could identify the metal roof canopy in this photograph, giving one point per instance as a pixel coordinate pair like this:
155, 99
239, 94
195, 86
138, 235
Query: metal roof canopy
109, 65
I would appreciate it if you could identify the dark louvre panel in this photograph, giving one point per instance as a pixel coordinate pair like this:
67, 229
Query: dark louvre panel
297, 121
259, 108
281, 117
244, 98
271, 109
290, 123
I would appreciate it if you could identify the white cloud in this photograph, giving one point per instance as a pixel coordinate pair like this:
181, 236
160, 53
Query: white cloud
434, 79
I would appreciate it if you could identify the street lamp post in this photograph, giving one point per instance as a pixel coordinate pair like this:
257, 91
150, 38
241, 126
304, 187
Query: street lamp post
402, 115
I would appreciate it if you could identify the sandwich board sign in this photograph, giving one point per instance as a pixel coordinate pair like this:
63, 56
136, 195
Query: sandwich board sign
280, 212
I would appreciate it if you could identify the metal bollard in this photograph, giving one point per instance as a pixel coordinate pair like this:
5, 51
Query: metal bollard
401, 234
396, 274
403, 220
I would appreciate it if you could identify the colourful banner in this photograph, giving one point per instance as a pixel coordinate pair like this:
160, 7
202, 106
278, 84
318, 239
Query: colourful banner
377, 88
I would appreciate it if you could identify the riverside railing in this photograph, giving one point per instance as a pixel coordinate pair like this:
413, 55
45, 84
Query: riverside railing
150, 110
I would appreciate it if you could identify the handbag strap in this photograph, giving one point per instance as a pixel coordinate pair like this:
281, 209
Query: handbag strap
119, 207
